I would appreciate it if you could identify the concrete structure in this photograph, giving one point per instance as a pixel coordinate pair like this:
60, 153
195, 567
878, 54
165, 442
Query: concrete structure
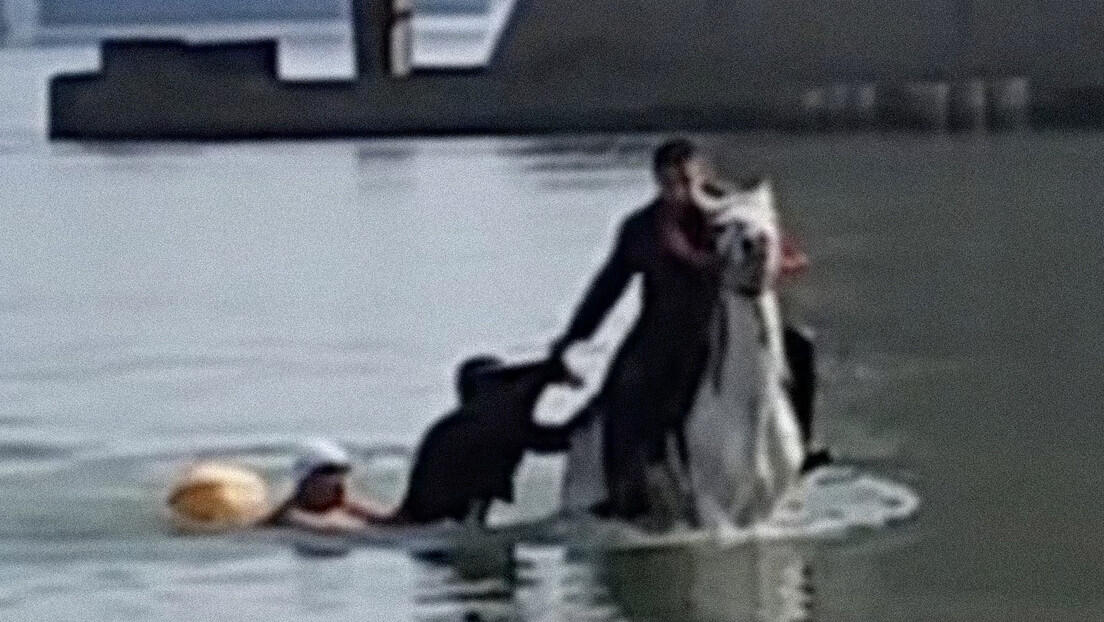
615, 65
969, 105
120, 12
20, 18
924, 105
1009, 100
101, 12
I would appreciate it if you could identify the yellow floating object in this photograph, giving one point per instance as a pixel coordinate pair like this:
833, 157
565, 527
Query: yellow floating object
212, 496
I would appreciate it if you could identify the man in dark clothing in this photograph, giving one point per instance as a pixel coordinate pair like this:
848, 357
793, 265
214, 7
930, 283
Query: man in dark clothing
650, 384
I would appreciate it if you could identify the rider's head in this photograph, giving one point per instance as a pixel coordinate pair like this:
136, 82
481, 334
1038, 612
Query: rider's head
677, 164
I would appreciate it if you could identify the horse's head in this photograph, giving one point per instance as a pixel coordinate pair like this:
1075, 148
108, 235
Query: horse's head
748, 238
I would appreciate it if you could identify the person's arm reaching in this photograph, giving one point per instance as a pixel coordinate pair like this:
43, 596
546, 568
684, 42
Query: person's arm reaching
368, 513
600, 297
549, 438
328, 523
277, 516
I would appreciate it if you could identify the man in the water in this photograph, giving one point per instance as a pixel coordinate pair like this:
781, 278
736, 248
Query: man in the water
650, 384
466, 459
320, 501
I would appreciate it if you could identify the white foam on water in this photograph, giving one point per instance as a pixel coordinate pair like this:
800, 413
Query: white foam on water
838, 498
828, 503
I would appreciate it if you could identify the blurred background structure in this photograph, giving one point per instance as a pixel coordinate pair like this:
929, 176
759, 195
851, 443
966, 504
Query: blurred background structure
622, 65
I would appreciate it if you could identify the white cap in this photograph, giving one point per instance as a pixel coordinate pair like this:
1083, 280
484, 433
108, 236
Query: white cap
318, 454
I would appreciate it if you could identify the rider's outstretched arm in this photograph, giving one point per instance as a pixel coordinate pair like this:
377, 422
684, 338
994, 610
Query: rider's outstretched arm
603, 293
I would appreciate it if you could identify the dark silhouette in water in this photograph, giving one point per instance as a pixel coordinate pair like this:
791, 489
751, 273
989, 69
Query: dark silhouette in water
801, 357
468, 458
649, 386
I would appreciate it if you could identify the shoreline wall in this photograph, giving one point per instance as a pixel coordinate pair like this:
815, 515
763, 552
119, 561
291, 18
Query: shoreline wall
628, 65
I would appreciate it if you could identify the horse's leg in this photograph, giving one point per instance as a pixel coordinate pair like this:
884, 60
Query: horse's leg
477, 514
678, 467
801, 359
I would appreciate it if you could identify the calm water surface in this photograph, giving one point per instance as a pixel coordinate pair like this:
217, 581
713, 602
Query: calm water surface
164, 301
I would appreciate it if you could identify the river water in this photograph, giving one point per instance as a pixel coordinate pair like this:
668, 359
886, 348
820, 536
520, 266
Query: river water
163, 301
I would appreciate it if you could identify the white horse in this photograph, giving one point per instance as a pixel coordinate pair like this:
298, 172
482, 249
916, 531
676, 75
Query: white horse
744, 443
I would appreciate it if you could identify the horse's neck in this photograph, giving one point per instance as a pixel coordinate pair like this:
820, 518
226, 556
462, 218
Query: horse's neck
755, 322
771, 316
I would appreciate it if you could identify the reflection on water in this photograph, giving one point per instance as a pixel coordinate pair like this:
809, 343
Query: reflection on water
760, 582
470, 583
582, 154
754, 582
